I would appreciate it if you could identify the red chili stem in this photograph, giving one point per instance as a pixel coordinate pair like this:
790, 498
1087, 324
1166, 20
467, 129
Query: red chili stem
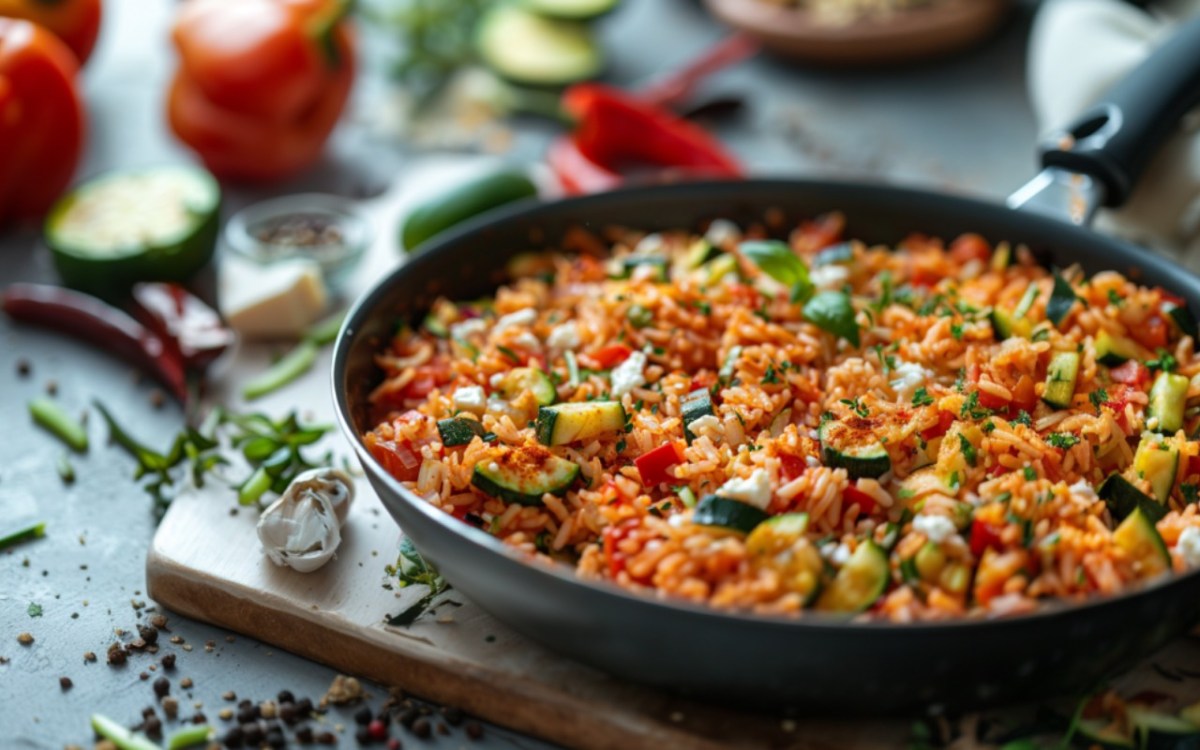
98, 323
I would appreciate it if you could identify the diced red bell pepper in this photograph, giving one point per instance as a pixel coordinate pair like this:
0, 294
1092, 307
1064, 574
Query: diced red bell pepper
702, 381
854, 496
654, 466
984, 536
613, 536
945, 419
970, 247
792, 466
1152, 334
611, 355
398, 458
991, 401
1132, 373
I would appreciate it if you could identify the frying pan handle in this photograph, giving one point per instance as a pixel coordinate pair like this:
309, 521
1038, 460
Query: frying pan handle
1114, 140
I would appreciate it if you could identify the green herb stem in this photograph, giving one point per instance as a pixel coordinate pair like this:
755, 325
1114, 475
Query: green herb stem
326, 331
254, 487
188, 737
120, 736
297, 362
51, 417
34, 531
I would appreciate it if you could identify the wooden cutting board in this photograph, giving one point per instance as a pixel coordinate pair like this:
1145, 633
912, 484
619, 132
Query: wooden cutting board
205, 562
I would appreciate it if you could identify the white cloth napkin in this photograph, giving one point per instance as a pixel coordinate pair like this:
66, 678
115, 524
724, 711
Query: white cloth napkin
1078, 49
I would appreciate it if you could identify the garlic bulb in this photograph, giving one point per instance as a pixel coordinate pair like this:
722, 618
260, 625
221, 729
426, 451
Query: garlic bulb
302, 529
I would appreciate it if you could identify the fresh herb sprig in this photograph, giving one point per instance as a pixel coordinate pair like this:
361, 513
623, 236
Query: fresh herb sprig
412, 570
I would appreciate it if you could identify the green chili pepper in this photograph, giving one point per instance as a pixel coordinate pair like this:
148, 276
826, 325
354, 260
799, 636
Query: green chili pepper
254, 487
51, 417
119, 735
34, 531
293, 365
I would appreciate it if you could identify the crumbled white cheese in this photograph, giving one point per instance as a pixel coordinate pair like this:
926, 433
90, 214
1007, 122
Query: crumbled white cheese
754, 490
1189, 546
907, 378
706, 424
564, 336
722, 231
493, 467
280, 300
497, 379
831, 277
812, 462
840, 555
935, 528
470, 397
519, 318
629, 374
467, 327
527, 340
1083, 489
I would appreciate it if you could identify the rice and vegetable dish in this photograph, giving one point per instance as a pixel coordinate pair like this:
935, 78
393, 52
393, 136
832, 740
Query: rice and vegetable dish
926, 432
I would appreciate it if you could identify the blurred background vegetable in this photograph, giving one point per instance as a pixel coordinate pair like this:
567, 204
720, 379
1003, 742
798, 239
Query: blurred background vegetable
42, 119
75, 22
261, 83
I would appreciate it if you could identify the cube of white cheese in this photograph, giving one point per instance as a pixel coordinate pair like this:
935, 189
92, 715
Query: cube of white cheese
470, 397
754, 490
629, 374
277, 300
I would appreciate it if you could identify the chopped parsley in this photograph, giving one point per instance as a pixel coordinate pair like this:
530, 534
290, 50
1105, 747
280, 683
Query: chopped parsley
968, 450
956, 330
1098, 397
972, 409
1063, 440
770, 377
1165, 362
1115, 298
1030, 474
1023, 418
921, 397
859, 408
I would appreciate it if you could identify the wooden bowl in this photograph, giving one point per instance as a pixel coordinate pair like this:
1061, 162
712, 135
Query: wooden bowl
906, 35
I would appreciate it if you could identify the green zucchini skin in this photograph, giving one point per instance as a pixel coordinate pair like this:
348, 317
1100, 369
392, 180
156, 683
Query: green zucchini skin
1122, 499
584, 420
1114, 350
843, 447
693, 406
443, 210
572, 10
714, 510
1168, 400
859, 582
1060, 379
459, 431
532, 49
525, 487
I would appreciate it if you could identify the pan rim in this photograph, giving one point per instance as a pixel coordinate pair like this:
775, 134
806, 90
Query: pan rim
810, 621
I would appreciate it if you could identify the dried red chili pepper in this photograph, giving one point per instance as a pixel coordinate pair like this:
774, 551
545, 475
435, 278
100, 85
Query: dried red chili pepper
183, 321
97, 322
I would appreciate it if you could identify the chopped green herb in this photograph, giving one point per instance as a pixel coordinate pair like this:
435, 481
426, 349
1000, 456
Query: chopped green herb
54, 419
777, 260
509, 353
1098, 397
921, 397
1029, 473
1165, 362
769, 377
412, 570
289, 367
956, 330
34, 609
639, 317
968, 450
859, 408
1063, 440
1115, 298
24, 534
1023, 418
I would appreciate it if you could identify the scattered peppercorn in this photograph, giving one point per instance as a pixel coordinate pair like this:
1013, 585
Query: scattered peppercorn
422, 728
442, 728
362, 715
287, 712
144, 676
304, 706
275, 739
168, 661
65, 683
25, 639
153, 727
159, 622
233, 737
327, 738
199, 718
162, 686
285, 696
474, 729
253, 734
268, 709
52, 387
170, 707
148, 634
362, 736
229, 695
147, 712
304, 734
409, 716
24, 368
116, 655
247, 714
89, 657
185, 683
453, 716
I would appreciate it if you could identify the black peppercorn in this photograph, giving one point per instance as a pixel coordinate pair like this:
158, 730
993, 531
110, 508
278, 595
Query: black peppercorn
162, 687
362, 716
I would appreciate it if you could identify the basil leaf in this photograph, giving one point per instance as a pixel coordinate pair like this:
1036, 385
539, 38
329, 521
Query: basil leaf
1062, 299
777, 260
832, 312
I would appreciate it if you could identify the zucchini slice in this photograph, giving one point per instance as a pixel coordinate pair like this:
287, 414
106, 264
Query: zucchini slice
1060, 379
572, 10
625, 267
1006, 325
523, 475
1027, 300
1123, 498
701, 252
443, 209
157, 224
1062, 299
566, 423
1157, 462
1002, 257
725, 374
779, 543
853, 448
720, 267
714, 510
1141, 541
1168, 398
521, 379
693, 406
1182, 317
860, 581
531, 49
459, 431
1114, 350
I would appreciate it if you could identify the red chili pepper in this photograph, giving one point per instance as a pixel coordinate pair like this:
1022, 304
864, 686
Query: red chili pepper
184, 322
616, 130
99, 323
1132, 373
854, 496
945, 419
612, 355
654, 466
983, 536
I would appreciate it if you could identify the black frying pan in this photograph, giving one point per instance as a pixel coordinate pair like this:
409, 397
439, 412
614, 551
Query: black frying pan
815, 662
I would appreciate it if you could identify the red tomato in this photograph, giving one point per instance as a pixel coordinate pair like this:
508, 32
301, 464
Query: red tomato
991, 401
854, 496
1024, 395
1132, 373
653, 466
612, 355
613, 535
792, 466
398, 458
984, 536
1153, 333
970, 247
945, 419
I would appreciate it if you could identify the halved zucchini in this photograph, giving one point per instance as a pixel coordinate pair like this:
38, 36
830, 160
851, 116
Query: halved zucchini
860, 581
725, 374
1142, 542
1113, 350
853, 448
1168, 399
714, 510
531, 49
1060, 379
566, 423
523, 475
1157, 462
459, 431
521, 379
693, 406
